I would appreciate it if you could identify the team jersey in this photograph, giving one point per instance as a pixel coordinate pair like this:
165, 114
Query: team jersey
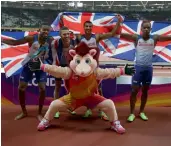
144, 51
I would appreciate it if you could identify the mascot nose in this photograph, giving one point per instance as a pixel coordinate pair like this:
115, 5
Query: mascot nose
82, 73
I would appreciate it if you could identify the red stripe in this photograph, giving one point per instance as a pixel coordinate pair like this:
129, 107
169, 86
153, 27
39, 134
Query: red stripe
105, 46
107, 21
13, 52
122, 45
79, 26
163, 54
126, 29
32, 33
123, 39
7, 38
165, 43
167, 33
12, 64
72, 18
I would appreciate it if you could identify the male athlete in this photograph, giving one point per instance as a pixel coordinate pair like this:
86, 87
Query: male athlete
145, 45
92, 40
36, 43
60, 48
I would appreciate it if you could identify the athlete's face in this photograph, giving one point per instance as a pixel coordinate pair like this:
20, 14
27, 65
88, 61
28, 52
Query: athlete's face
88, 28
65, 36
44, 32
146, 28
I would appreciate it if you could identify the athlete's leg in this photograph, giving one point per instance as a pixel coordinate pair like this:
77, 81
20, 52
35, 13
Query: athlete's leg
102, 114
42, 95
136, 82
145, 87
58, 82
41, 79
25, 77
21, 91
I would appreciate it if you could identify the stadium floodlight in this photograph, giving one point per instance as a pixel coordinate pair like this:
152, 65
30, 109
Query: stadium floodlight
79, 4
71, 4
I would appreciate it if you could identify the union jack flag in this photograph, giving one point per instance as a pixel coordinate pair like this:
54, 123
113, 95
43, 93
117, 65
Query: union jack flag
102, 22
126, 49
12, 56
118, 47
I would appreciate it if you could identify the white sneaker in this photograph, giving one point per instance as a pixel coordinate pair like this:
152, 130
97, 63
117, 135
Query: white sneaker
43, 125
118, 127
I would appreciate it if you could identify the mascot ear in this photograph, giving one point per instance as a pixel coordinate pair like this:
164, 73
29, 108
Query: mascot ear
92, 52
72, 52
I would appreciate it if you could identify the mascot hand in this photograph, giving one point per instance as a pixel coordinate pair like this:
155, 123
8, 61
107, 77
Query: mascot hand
35, 65
129, 70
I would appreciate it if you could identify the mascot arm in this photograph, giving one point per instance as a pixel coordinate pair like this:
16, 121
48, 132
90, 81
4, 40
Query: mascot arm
109, 73
57, 71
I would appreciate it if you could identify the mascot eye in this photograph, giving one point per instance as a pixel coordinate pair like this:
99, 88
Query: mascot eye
77, 61
88, 61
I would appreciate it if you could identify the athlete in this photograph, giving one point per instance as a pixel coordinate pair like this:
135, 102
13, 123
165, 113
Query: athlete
60, 48
145, 45
92, 40
38, 47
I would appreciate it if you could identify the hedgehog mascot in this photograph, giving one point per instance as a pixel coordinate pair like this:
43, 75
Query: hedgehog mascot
81, 78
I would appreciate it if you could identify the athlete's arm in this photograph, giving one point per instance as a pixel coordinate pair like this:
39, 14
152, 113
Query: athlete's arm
54, 52
24, 40
133, 37
47, 51
100, 37
162, 38
78, 37
46, 56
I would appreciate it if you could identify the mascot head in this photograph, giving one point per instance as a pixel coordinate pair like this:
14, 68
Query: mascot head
83, 60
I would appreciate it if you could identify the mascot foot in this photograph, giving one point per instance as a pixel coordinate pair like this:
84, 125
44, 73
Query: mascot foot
116, 126
43, 125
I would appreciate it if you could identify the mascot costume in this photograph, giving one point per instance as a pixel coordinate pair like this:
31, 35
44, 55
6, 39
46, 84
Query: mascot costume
81, 79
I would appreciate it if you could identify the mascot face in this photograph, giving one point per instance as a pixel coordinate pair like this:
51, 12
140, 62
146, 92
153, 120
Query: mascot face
83, 65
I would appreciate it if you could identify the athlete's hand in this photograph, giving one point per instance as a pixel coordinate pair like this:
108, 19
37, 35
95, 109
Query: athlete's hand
35, 65
119, 18
129, 70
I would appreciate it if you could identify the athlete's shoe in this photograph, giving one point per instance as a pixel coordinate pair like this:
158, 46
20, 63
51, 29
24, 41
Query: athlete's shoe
103, 116
57, 115
131, 118
88, 113
143, 116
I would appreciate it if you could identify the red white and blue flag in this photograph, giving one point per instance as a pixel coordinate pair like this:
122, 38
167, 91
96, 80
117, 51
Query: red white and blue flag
117, 47
12, 56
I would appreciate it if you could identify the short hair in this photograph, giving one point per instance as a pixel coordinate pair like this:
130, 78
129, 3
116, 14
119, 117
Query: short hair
63, 28
45, 27
145, 21
87, 22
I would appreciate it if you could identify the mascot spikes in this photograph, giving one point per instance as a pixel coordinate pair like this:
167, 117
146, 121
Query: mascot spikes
81, 78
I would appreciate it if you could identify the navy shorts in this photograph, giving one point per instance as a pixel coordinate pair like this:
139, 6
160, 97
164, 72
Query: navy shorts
143, 75
26, 75
60, 79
